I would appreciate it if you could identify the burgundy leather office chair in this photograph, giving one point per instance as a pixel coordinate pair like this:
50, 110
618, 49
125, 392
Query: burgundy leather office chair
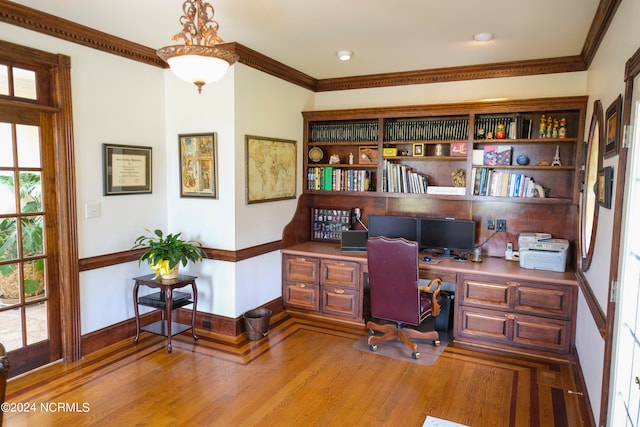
395, 293
4, 372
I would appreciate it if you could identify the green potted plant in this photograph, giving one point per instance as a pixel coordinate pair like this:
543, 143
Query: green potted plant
166, 253
32, 243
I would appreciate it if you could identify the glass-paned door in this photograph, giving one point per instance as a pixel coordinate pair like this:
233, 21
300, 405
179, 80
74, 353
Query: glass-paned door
24, 319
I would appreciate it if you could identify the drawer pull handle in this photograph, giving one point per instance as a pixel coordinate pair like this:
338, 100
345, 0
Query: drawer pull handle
339, 264
339, 291
301, 285
300, 259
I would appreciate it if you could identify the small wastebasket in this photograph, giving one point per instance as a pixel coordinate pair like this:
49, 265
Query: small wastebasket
256, 323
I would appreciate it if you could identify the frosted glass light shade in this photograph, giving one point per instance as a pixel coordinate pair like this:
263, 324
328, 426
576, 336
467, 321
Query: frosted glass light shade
198, 64
198, 69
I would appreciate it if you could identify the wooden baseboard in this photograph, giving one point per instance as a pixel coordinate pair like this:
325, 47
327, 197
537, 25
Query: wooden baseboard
224, 326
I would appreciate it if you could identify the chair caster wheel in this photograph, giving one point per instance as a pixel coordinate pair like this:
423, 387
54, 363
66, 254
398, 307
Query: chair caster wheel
372, 332
415, 355
373, 347
436, 343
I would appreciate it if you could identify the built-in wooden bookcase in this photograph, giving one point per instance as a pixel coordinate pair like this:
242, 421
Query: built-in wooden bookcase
392, 151
443, 132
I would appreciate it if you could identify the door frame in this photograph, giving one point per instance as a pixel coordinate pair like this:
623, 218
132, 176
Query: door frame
55, 98
632, 70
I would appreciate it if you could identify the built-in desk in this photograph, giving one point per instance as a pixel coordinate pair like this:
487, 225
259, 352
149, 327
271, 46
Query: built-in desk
497, 303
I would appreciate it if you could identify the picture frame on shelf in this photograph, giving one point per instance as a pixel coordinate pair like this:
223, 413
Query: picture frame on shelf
270, 169
418, 150
613, 121
198, 165
126, 169
605, 186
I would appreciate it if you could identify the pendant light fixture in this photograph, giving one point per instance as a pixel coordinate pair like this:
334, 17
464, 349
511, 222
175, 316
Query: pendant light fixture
198, 60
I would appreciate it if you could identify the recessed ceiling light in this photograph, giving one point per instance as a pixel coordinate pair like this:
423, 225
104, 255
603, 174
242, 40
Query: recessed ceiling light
344, 55
483, 37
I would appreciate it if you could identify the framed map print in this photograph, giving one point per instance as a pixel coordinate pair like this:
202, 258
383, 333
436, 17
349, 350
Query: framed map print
271, 169
198, 165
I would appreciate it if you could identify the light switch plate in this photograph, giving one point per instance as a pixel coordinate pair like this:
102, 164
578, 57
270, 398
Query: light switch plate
92, 210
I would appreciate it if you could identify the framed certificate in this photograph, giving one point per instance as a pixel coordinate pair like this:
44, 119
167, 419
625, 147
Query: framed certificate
126, 169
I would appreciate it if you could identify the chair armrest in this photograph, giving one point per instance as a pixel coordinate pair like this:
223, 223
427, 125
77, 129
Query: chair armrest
437, 284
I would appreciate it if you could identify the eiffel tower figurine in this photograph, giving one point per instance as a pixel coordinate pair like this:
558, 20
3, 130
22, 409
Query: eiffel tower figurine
556, 158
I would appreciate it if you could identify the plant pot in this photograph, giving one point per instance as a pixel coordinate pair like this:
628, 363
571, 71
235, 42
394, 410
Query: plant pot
171, 275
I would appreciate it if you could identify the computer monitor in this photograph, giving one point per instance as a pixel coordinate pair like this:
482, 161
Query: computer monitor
446, 235
393, 226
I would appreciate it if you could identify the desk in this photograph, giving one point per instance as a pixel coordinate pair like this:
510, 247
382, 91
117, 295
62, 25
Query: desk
164, 300
497, 303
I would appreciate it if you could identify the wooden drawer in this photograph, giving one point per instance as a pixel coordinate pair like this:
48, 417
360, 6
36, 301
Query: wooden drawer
445, 276
557, 301
340, 273
340, 301
548, 299
481, 293
300, 269
302, 295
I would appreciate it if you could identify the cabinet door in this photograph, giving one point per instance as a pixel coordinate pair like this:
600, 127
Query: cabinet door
340, 273
302, 295
483, 324
340, 301
300, 269
541, 333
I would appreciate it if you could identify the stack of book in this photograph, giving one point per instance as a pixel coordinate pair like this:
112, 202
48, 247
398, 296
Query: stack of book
328, 178
399, 178
490, 182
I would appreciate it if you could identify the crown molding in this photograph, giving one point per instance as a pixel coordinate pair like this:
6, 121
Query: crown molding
41, 22
260, 62
599, 26
35, 20
452, 74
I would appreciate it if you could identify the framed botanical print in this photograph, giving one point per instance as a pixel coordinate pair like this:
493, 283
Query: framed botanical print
198, 165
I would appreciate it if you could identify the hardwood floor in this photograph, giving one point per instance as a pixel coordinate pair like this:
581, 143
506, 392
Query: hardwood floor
303, 374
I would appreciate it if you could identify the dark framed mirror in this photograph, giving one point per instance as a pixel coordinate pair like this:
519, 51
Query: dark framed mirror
589, 200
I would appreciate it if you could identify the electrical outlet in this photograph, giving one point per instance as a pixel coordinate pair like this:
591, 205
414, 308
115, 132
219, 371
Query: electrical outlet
206, 324
491, 225
501, 225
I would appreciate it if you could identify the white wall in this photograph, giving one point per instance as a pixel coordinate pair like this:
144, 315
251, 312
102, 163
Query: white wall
119, 101
605, 82
244, 102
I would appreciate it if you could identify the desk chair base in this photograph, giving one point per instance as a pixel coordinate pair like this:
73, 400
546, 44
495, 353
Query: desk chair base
397, 332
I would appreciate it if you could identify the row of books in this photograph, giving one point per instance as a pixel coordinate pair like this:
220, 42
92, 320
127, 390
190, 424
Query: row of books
427, 130
515, 127
398, 178
490, 182
337, 179
344, 132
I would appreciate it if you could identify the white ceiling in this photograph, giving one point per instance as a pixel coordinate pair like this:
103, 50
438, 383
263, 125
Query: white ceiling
385, 36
